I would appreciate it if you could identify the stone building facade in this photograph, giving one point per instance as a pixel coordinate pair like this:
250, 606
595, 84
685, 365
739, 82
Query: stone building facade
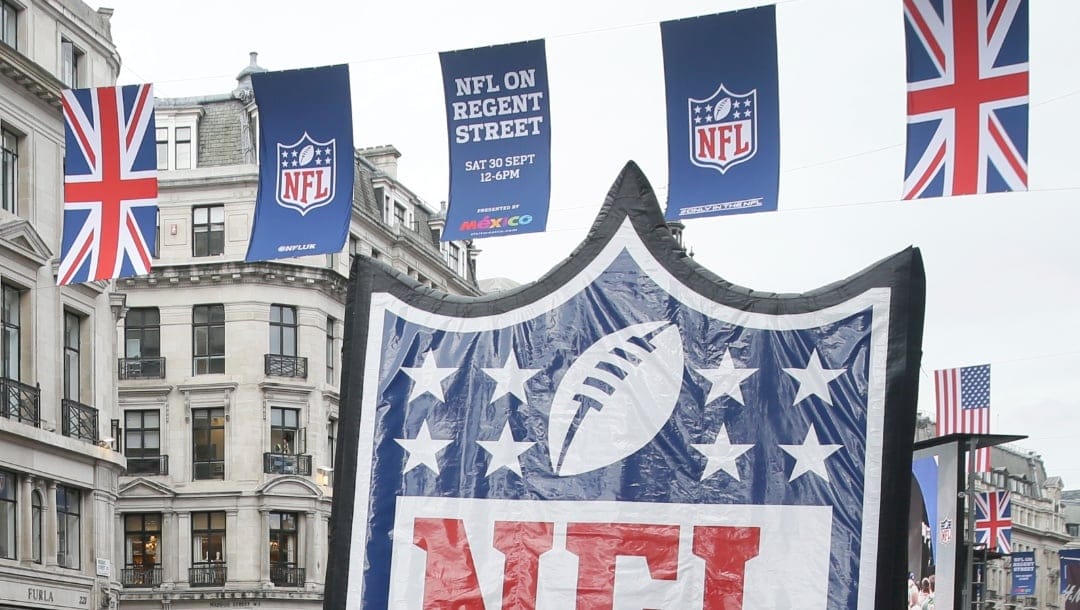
229, 372
58, 473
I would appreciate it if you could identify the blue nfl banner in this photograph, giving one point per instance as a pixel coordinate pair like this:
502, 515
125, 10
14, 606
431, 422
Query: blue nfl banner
723, 113
629, 432
306, 169
1023, 573
500, 140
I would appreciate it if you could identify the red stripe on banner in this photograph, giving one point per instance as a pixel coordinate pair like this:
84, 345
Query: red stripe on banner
140, 105
924, 29
77, 128
1006, 150
79, 259
995, 19
954, 397
931, 169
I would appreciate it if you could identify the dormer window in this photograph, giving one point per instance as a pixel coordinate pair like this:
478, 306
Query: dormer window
71, 60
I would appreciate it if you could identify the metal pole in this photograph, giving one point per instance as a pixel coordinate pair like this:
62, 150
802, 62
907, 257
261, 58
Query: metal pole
969, 537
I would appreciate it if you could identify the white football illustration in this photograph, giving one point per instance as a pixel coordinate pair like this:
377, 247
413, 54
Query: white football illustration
615, 397
723, 107
306, 154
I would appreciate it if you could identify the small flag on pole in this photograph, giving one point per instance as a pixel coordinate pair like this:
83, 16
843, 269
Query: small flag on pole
963, 405
993, 521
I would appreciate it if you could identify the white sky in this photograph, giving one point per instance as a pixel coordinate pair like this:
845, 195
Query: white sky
1003, 284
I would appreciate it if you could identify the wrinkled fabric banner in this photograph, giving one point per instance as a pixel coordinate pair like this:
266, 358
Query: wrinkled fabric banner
629, 430
1023, 573
1070, 578
499, 124
306, 163
723, 113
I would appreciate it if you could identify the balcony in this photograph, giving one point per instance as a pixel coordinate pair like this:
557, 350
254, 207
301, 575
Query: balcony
148, 466
143, 576
80, 421
20, 402
207, 575
285, 366
284, 463
140, 368
286, 575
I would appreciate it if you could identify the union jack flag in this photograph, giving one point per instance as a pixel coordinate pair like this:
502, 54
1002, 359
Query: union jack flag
967, 75
993, 520
110, 183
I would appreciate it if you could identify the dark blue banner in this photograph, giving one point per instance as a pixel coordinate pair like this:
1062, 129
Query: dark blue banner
306, 163
723, 113
1023, 573
500, 140
1070, 578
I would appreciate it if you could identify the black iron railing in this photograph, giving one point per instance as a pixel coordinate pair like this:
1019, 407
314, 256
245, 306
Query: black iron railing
146, 576
285, 366
141, 368
152, 466
207, 575
283, 463
286, 575
80, 421
20, 402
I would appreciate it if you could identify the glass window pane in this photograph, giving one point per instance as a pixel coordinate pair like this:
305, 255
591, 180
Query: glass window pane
217, 214
151, 440
133, 419
201, 215
151, 419
183, 155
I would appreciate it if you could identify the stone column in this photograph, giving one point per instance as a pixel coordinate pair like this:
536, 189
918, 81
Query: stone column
183, 546
310, 533
233, 537
49, 535
169, 549
264, 548
24, 547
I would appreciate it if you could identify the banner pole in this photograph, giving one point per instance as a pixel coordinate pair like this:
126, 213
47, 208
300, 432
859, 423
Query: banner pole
968, 601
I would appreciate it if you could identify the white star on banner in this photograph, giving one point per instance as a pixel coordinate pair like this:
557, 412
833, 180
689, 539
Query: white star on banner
814, 379
721, 454
423, 450
510, 379
428, 377
505, 452
725, 379
810, 455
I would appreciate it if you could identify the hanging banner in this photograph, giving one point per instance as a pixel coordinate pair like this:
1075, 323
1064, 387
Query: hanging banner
723, 113
967, 111
630, 431
1070, 578
1023, 573
110, 183
500, 140
306, 163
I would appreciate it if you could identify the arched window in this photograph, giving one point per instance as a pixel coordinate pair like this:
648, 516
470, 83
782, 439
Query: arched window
35, 525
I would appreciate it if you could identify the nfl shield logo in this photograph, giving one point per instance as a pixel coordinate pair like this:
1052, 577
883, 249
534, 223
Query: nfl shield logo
305, 178
723, 129
946, 531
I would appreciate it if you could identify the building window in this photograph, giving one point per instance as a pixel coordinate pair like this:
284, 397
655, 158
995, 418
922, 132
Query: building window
208, 443
71, 59
453, 257
285, 430
9, 170
142, 546
282, 330
183, 148
283, 539
35, 526
1073, 529
142, 441
329, 350
399, 214
72, 357
9, 24
331, 441
208, 339
161, 138
67, 526
8, 510
142, 344
208, 230
11, 334
208, 537
354, 247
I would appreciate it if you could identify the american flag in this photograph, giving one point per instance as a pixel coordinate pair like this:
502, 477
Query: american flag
110, 183
963, 405
967, 74
993, 520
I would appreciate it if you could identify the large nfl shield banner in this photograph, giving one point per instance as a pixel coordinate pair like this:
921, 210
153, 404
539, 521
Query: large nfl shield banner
628, 432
